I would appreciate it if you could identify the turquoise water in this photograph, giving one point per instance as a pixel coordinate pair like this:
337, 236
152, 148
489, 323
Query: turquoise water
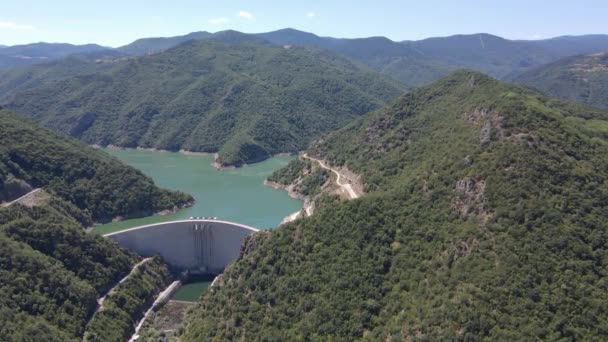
237, 195
192, 291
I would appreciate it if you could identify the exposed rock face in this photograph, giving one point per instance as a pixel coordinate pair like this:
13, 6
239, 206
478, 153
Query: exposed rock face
490, 122
470, 199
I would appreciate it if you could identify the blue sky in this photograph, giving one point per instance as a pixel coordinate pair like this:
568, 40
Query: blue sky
114, 23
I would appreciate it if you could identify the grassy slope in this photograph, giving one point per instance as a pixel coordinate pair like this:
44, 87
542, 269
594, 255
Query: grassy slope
581, 78
476, 227
233, 94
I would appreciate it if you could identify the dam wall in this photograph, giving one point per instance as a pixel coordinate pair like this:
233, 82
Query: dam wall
198, 245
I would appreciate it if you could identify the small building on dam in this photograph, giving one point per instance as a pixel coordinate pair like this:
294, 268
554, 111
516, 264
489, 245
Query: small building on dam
198, 245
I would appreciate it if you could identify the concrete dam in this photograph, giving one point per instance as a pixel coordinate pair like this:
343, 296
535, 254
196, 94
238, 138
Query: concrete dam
198, 245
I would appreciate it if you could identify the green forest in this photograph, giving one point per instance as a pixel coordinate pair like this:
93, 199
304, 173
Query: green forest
485, 220
236, 94
52, 271
581, 78
51, 274
98, 187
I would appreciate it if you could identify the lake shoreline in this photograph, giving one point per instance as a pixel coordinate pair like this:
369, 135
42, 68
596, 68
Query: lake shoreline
215, 155
238, 195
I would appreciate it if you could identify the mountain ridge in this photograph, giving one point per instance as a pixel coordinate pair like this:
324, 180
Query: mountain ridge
482, 220
226, 94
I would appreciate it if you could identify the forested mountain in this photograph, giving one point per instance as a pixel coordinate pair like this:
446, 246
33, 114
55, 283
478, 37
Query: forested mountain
151, 45
580, 78
52, 271
98, 186
416, 63
413, 63
11, 56
51, 274
234, 94
484, 220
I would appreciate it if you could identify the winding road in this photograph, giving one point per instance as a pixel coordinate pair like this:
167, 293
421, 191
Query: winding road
346, 186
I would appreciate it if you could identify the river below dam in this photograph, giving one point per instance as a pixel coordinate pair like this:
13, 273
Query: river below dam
237, 195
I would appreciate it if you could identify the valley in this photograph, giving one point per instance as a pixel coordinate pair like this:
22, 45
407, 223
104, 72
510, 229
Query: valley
407, 183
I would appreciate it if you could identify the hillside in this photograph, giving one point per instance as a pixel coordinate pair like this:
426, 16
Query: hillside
581, 78
484, 220
18, 55
235, 94
99, 186
52, 271
146, 46
416, 63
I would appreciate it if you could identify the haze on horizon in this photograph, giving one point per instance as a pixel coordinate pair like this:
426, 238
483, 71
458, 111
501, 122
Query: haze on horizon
115, 23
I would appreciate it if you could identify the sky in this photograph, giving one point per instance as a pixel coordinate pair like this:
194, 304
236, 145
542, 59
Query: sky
115, 23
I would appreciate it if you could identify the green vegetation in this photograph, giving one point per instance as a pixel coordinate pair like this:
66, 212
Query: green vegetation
234, 94
485, 220
93, 185
51, 270
289, 173
306, 177
151, 45
417, 63
581, 78
128, 302
20, 55
51, 274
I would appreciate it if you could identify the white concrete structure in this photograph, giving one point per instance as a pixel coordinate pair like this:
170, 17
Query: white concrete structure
200, 245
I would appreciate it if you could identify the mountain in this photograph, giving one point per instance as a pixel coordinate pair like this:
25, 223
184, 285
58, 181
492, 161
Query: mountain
484, 219
32, 157
399, 60
580, 78
234, 94
153, 45
52, 271
416, 63
17, 55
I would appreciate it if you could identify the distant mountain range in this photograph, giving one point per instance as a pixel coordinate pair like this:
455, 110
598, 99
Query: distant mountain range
235, 94
413, 63
17, 55
580, 78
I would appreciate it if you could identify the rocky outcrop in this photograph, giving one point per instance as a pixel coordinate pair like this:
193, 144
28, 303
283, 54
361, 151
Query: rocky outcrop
470, 199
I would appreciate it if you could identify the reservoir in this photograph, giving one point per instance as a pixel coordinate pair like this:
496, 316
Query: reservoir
237, 195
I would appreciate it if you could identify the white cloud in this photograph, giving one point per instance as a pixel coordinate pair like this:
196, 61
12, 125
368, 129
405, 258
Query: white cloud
218, 20
9, 25
311, 14
246, 15
537, 36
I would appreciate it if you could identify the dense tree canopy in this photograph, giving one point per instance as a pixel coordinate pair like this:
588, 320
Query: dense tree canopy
485, 220
100, 186
234, 94
580, 78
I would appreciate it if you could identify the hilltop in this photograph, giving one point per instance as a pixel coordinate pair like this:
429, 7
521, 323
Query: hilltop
236, 95
483, 219
580, 78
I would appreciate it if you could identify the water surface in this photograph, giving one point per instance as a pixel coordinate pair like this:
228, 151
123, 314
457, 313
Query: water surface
237, 195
